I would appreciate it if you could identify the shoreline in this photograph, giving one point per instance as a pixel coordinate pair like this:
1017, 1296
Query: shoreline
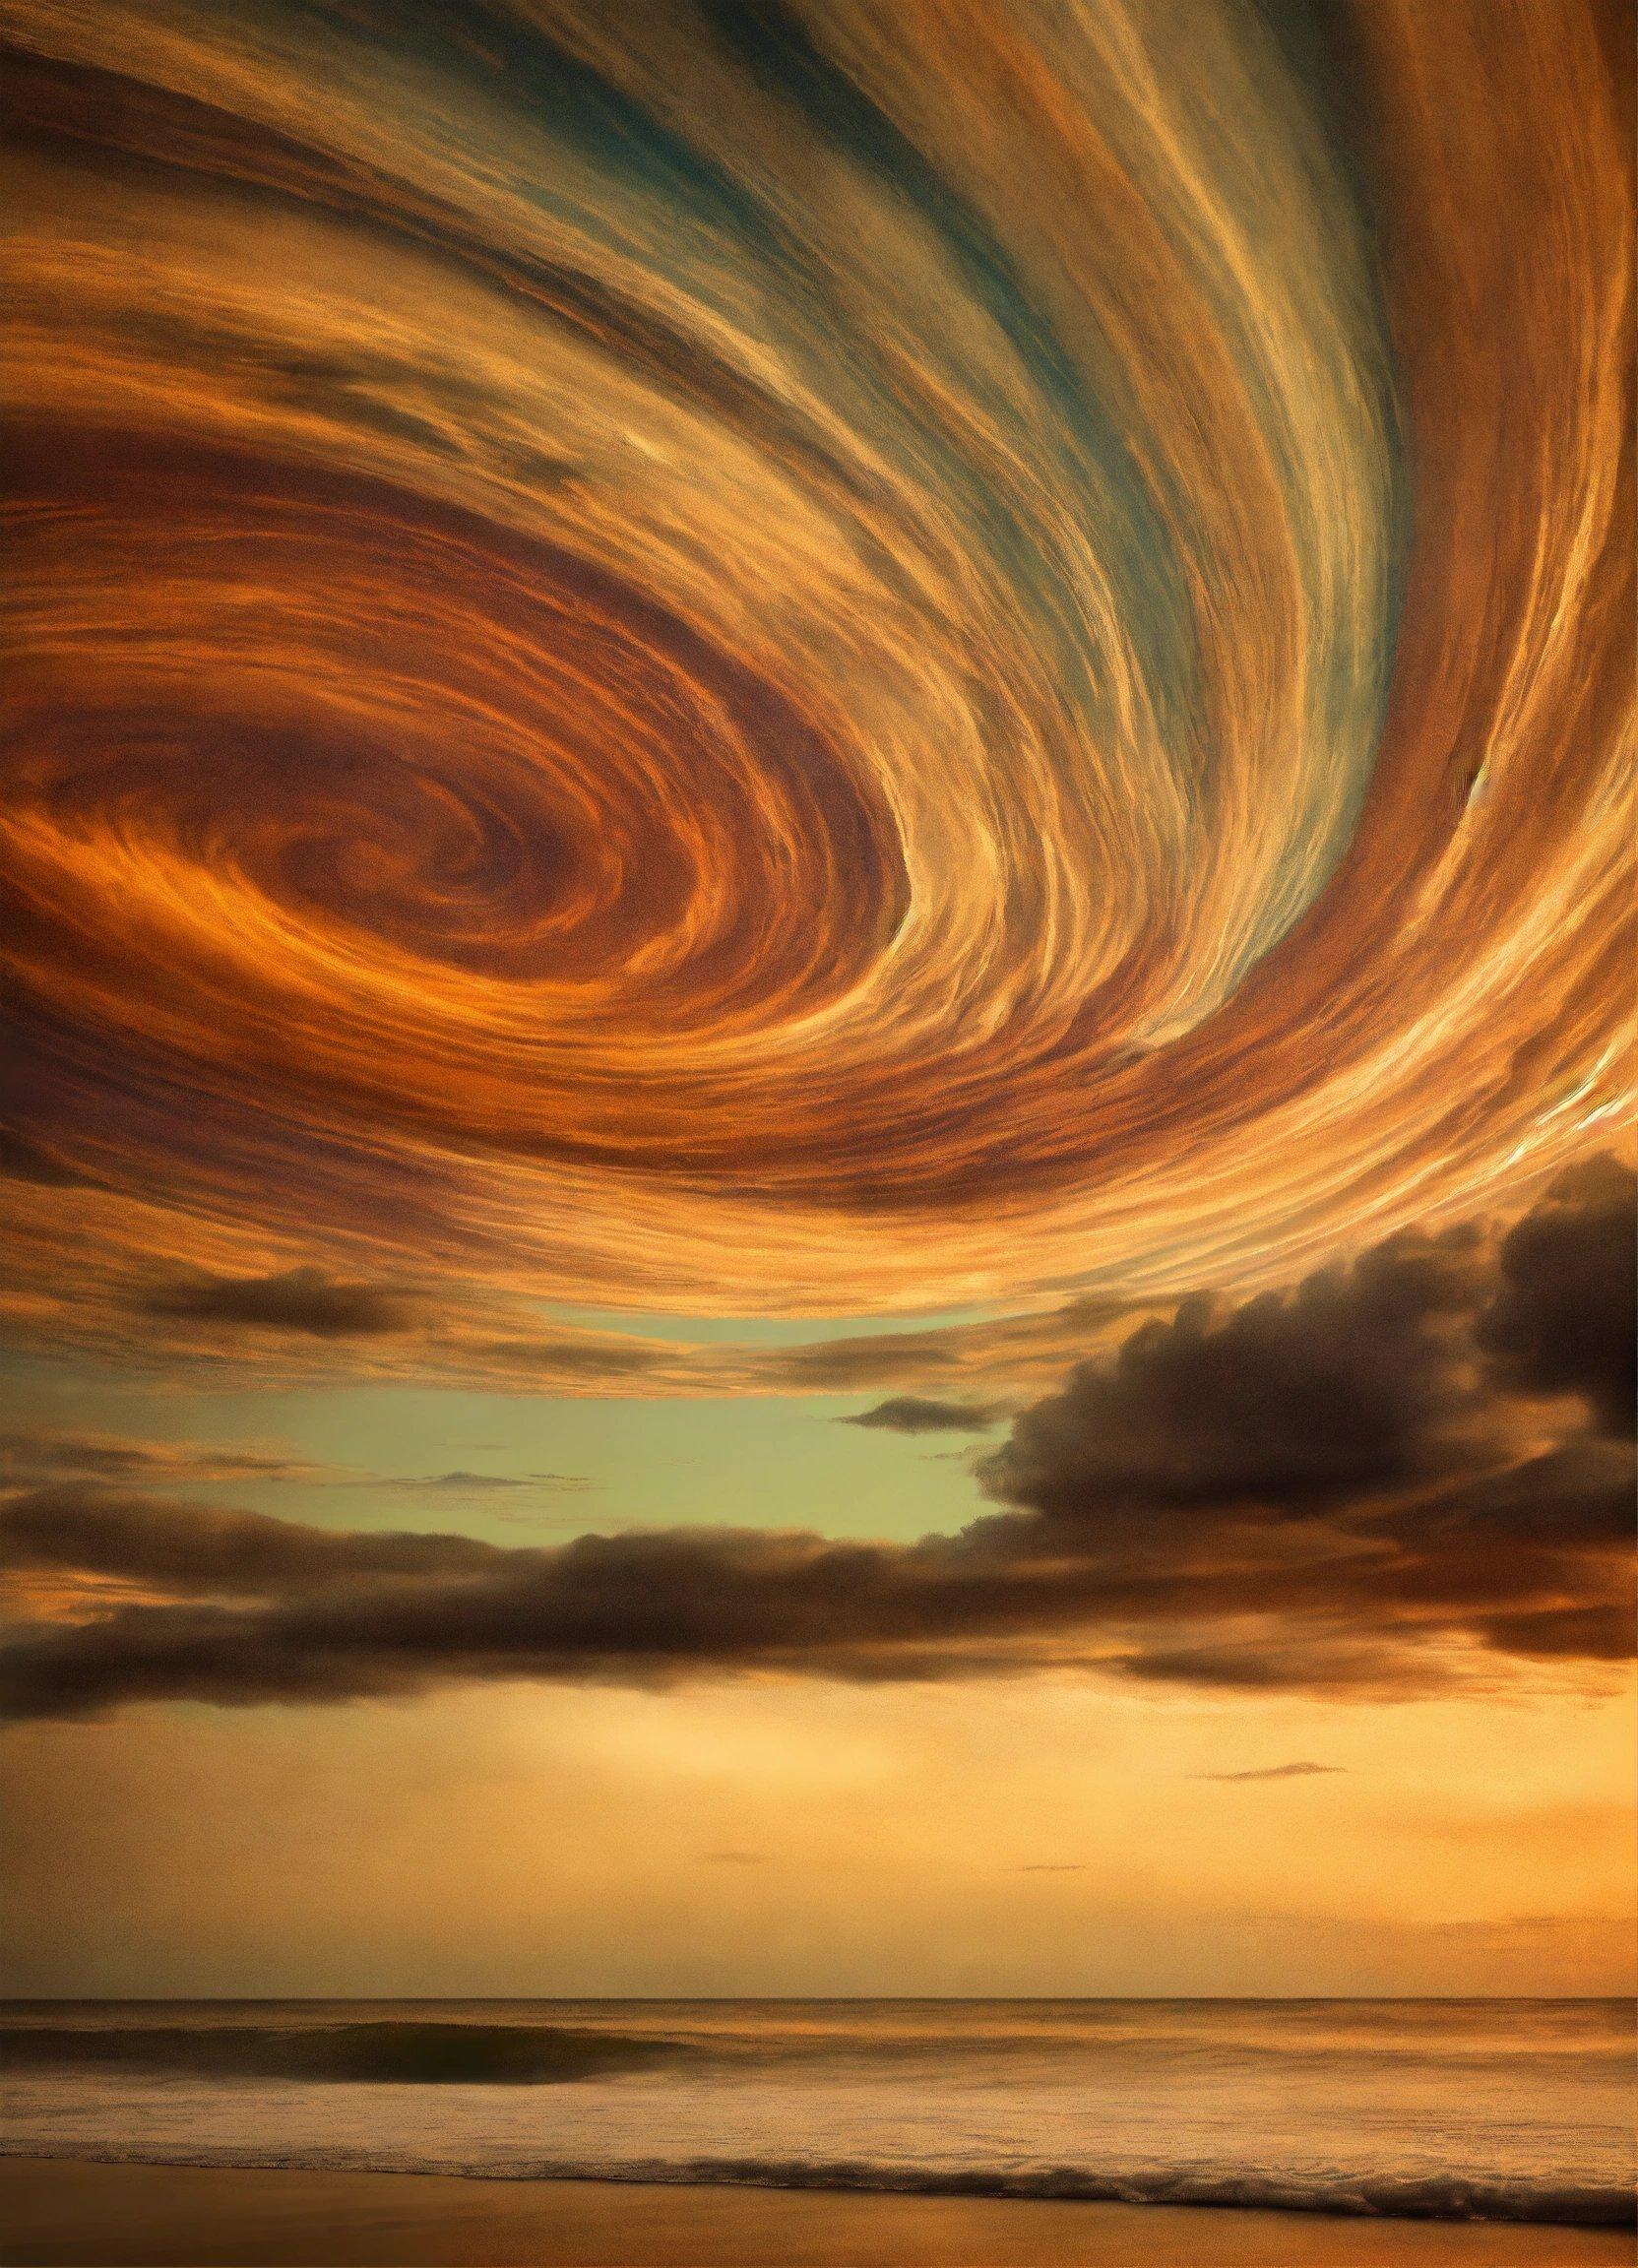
55, 2212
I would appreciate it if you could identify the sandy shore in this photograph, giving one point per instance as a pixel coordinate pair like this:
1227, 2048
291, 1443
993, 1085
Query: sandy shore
184, 2216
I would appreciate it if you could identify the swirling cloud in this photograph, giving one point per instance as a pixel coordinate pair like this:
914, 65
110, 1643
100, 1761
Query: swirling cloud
749, 659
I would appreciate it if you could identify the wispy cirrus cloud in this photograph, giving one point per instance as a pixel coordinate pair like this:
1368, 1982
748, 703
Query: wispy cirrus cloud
44, 1457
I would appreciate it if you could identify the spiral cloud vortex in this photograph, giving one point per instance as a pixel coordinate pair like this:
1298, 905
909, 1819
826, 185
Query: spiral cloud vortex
832, 660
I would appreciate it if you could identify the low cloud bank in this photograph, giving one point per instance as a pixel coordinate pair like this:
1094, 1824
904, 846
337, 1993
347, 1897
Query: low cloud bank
1421, 1460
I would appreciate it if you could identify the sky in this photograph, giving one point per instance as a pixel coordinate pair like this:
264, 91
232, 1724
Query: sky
818, 894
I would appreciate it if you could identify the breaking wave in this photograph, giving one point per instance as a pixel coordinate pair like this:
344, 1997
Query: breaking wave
415, 2053
1444, 2198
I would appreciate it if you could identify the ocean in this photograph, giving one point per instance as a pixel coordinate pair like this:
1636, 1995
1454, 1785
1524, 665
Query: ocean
1451, 2110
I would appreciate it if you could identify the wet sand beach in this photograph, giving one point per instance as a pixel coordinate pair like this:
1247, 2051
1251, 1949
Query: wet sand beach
60, 2210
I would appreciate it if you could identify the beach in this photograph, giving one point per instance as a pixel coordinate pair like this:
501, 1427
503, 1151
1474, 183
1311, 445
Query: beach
57, 2211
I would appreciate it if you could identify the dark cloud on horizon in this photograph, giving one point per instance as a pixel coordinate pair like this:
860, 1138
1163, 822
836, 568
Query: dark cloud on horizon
1299, 1771
1322, 1491
923, 1413
460, 1483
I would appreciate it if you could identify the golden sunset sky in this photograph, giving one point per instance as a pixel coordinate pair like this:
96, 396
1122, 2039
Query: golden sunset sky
819, 899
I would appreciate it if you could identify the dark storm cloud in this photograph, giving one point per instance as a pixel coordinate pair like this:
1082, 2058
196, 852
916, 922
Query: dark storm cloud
1326, 1492
1351, 1382
922, 1413
301, 1299
1562, 1322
